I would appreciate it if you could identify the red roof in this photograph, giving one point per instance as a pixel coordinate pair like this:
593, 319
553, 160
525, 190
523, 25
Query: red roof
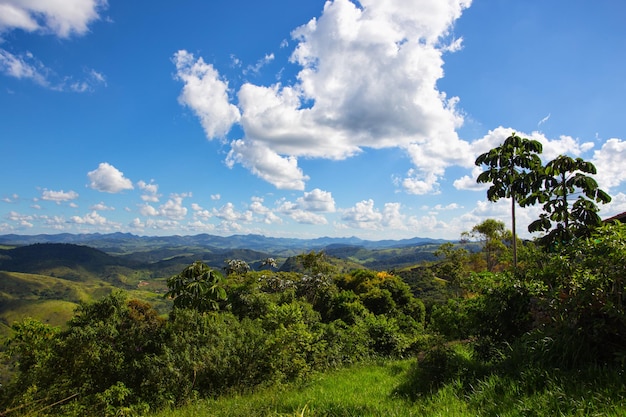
619, 217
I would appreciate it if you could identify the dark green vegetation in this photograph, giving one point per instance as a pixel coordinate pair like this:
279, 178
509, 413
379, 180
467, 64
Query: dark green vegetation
471, 333
47, 281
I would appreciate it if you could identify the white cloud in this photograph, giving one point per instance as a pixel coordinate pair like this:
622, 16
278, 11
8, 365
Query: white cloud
26, 66
172, 209
363, 216
616, 206
564, 145
101, 207
282, 172
107, 178
200, 227
468, 182
206, 94
59, 196
12, 199
151, 191
228, 213
392, 218
300, 215
439, 207
200, 213
267, 215
368, 78
317, 200
61, 18
92, 218
148, 210
544, 120
610, 161
23, 220
260, 64
421, 183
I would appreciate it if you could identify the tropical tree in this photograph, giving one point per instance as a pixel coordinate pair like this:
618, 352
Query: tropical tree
562, 180
198, 287
453, 266
270, 263
492, 234
511, 169
236, 266
315, 262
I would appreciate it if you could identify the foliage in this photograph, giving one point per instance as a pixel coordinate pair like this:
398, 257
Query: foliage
315, 263
585, 285
453, 266
238, 266
118, 356
107, 349
561, 179
511, 169
198, 287
492, 234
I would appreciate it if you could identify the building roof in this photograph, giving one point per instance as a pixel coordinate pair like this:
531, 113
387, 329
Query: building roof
619, 217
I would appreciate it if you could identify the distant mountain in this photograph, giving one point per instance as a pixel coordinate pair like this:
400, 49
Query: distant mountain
65, 260
123, 243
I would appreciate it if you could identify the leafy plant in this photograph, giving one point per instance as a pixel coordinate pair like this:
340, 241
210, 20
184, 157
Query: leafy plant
563, 220
511, 168
197, 286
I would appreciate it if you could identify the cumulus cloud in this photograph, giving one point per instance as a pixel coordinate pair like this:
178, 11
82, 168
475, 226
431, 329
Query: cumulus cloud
228, 213
107, 178
616, 206
12, 199
173, 208
363, 216
22, 220
151, 191
610, 161
392, 217
300, 215
368, 78
59, 196
563, 145
59, 18
206, 94
267, 215
101, 207
282, 172
317, 200
92, 218
200, 213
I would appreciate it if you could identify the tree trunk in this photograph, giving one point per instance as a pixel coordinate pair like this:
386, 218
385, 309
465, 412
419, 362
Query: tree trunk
514, 234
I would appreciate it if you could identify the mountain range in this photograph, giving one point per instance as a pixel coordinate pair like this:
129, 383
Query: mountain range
122, 243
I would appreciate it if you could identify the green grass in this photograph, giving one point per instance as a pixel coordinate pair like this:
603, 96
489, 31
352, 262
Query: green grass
361, 390
372, 390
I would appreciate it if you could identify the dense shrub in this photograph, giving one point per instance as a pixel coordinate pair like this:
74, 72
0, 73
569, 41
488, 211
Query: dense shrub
119, 357
584, 295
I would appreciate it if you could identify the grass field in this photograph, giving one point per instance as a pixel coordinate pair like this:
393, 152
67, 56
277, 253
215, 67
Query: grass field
373, 390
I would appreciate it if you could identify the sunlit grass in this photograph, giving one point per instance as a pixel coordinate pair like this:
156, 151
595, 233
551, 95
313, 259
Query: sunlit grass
370, 390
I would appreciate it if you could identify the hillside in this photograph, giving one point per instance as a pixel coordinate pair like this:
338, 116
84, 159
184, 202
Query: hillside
125, 243
48, 280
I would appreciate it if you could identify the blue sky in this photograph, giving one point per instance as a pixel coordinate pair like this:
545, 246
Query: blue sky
333, 118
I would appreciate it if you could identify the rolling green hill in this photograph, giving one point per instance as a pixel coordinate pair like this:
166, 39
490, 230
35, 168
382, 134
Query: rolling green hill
46, 281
